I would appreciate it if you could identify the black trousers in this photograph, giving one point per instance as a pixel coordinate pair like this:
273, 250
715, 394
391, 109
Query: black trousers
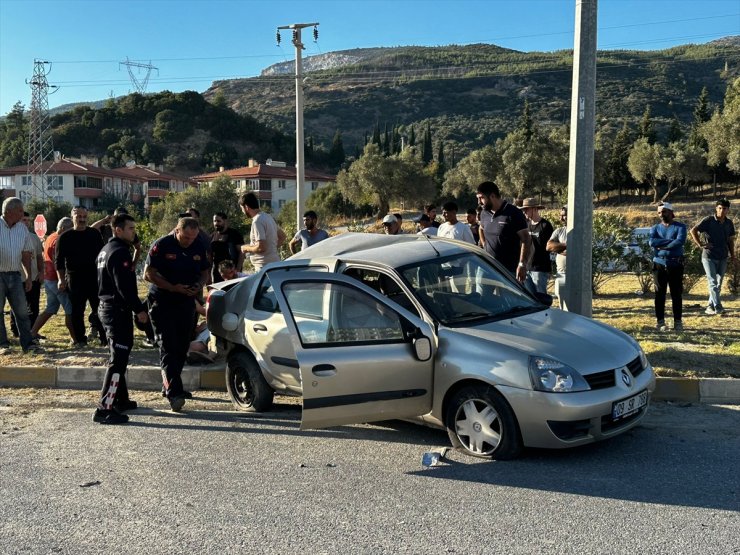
666, 277
83, 288
120, 331
33, 298
173, 326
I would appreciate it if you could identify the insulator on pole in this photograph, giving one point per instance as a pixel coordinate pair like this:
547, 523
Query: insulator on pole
315, 33
278, 37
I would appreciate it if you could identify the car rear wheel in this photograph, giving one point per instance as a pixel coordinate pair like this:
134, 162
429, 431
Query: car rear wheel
247, 387
480, 423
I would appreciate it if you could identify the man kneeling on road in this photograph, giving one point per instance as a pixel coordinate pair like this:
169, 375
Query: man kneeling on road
118, 299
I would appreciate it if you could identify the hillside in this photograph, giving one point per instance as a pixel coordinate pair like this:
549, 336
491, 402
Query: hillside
473, 94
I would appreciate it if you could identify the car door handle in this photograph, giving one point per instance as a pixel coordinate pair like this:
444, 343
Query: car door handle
324, 370
259, 327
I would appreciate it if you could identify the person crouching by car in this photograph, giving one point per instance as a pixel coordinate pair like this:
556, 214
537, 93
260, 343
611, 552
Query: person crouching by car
177, 268
667, 239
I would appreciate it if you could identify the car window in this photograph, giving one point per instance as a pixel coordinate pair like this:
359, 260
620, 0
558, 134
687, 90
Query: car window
465, 287
332, 313
384, 284
265, 298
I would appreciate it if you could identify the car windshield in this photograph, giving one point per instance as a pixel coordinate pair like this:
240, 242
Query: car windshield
466, 287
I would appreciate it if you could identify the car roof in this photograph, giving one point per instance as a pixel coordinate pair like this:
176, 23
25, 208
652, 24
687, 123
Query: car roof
374, 247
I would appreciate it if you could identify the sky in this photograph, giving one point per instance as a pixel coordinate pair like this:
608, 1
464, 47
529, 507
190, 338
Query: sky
194, 42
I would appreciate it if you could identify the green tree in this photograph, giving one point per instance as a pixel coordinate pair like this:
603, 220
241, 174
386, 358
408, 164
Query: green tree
171, 126
647, 128
220, 196
14, 138
643, 163
617, 172
722, 131
702, 115
680, 165
336, 154
379, 180
675, 133
480, 165
426, 145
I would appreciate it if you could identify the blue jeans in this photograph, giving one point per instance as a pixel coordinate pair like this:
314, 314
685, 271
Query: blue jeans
12, 289
715, 270
536, 282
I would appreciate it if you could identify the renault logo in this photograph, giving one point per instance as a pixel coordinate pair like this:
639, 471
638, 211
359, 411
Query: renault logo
626, 378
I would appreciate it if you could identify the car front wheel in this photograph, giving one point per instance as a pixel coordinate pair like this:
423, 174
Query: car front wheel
247, 387
480, 423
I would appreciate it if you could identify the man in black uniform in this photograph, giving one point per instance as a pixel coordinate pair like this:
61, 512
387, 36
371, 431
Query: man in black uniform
118, 299
178, 268
226, 244
77, 251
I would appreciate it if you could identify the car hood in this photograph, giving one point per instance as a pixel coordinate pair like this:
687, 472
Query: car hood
582, 343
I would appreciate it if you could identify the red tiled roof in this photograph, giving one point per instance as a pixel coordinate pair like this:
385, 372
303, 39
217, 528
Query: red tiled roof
145, 172
265, 171
65, 166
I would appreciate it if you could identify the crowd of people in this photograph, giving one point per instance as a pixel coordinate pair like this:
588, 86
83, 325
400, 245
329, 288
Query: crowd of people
80, 265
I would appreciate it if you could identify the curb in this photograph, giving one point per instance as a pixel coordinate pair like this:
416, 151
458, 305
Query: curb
148, 378
211, 377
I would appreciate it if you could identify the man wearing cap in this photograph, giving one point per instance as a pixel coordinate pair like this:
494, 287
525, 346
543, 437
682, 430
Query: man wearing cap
391, 225
717, 244
540, 230
667, 239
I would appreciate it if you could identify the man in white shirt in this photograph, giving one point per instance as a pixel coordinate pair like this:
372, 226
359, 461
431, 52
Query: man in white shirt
425, 226
452, 228
16, 251
265, 236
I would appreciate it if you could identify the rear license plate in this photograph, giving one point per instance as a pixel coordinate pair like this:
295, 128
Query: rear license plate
625, 407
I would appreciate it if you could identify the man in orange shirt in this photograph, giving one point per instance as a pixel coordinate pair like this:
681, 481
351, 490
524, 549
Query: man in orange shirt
54, 297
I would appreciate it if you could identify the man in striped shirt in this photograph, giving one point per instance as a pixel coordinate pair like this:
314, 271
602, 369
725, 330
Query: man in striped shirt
16, 249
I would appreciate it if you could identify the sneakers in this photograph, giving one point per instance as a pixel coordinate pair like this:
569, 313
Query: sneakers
718, 310
678, 326
660, 326
149, 343
177, 402
710, 311
123, 406
109, 417
5, 349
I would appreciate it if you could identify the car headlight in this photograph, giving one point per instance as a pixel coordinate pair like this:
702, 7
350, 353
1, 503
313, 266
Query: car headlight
643, 358
550, 375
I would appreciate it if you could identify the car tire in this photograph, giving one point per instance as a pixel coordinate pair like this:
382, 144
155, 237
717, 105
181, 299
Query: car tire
247, 387
480, 423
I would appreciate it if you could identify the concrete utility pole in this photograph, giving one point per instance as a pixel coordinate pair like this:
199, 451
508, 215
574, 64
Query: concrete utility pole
581, 163
300, 173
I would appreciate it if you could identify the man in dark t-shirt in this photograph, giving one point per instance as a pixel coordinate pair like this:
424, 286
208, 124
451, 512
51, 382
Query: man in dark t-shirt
540, 230
503, 230
226, 244
77, 251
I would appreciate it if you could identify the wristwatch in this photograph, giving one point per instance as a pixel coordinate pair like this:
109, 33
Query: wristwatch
521, 265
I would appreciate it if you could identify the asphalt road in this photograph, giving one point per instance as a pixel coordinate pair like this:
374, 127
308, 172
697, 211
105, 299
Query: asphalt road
210, 480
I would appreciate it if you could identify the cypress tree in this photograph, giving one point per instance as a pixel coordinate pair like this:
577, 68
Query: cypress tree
647, 129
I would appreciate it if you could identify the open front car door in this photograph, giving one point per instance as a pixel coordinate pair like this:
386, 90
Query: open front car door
360, 359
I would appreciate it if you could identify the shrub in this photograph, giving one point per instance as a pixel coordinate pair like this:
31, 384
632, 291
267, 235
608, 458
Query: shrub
610, 234
693, 271
642, 264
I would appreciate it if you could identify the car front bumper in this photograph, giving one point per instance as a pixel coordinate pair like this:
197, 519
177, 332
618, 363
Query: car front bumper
560, 420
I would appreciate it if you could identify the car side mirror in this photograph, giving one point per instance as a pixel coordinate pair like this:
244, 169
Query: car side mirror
422, 348
544, 298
